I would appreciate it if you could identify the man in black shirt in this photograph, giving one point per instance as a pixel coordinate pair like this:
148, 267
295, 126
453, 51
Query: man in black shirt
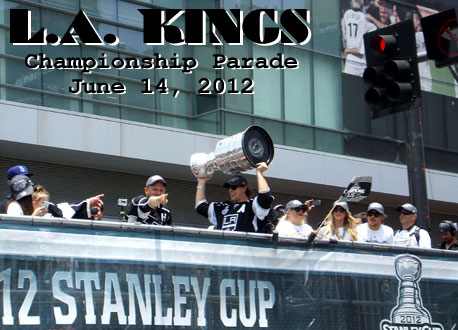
150, 207
448, 232
241, 213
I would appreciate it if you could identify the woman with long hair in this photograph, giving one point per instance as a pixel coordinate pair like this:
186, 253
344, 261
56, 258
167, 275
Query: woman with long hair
340, 224
20, 202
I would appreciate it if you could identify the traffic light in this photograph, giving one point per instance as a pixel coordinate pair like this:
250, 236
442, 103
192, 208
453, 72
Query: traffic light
441, 37
392, 69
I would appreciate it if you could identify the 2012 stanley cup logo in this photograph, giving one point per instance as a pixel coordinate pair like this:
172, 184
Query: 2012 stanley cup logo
409, 314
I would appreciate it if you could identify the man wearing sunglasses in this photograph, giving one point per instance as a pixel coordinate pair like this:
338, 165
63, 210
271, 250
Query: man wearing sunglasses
241, 213
410, 234
373, 231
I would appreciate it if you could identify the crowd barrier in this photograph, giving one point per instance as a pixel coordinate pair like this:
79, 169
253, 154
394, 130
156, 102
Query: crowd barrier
80, 274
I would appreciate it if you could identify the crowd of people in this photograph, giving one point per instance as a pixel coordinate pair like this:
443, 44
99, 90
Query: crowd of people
245, 211
26, 198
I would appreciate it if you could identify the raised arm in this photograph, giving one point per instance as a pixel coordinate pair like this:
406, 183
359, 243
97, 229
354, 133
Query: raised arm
262, 183
200, 190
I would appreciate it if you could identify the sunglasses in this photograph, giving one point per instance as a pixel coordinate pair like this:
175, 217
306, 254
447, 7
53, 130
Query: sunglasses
234, 187
299, 209
406, 212
375, 214
339, 209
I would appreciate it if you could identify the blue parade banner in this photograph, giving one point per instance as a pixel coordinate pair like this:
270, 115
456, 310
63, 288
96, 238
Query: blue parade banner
73, 274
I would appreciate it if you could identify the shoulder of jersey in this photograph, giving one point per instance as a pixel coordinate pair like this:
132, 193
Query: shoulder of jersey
166, 209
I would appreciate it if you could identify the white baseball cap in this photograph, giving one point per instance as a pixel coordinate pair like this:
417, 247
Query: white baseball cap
377, 207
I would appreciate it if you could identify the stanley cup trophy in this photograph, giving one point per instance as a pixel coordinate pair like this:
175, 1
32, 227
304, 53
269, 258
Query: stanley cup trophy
409, 313
235, 154
410, 306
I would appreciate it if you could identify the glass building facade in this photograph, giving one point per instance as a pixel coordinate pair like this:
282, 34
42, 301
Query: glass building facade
316, 106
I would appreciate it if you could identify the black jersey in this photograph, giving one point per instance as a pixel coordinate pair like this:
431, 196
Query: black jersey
140, 210
81, 210
245, 216
454, 246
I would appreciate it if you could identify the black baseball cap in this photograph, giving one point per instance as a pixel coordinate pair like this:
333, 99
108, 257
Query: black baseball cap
236, 181
447, 226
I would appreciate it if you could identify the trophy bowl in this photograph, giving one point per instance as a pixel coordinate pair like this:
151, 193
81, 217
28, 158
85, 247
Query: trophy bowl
235, 154
408, 268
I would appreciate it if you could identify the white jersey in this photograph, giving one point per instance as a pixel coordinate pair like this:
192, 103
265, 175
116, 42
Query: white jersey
423, 67
286, 228
408, 238
383, 235
354, 26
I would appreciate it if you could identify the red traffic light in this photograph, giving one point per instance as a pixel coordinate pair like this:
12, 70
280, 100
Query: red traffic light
383, 44
391, 76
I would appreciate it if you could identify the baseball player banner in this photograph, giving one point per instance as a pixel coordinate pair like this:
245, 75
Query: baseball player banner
62, 278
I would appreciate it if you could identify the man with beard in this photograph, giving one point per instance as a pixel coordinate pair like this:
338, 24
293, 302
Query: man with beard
448, 231
373, 231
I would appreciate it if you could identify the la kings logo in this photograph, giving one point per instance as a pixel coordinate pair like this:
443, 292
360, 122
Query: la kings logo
409, 314
230, 222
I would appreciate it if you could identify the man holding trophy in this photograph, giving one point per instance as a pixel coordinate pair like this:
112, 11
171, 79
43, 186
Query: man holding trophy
252, 148
242, 213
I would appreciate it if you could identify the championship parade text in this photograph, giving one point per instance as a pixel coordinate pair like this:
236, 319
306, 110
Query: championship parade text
264, 27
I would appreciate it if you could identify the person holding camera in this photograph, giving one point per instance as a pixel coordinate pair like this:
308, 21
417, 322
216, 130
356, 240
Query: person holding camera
40, 201
448, 233
29, 199
85, 210
150, 208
